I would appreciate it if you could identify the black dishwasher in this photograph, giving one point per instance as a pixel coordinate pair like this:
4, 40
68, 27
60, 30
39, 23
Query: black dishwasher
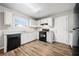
13, 41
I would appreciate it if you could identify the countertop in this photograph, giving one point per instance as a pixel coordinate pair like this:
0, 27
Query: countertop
15, 31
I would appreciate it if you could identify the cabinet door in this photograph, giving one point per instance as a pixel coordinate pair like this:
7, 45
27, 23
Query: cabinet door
38, 22
28, 37
1, 40
23, 38
45, 20
1, 19
7, 18
50, 37
71, 39
32, 36
32, 22
41, 21
50, 21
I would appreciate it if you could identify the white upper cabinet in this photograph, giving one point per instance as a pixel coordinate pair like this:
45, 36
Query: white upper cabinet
8, 18
49, 21
1, 19
32, 23
44, 21
38, 23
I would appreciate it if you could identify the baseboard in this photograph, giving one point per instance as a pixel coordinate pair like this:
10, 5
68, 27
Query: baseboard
28, 42
63, 44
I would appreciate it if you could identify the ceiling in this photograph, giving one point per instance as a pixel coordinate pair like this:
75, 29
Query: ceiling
45, 9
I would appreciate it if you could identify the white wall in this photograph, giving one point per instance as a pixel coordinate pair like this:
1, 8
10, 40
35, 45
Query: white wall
12, 27
15, 13
70, 15
1, 18
1, 28
70, 24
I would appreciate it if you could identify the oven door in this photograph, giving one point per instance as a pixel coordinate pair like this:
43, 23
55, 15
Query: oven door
42, 36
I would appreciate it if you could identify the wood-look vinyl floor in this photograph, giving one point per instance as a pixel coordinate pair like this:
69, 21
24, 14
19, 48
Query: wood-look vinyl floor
39, 48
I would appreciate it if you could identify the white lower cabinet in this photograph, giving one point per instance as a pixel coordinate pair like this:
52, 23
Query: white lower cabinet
24, 38
50, 37
8, 18
37, 35
71, 39
1, 41
32, 22
28, 37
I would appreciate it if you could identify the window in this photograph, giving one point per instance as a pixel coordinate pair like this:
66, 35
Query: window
21, 21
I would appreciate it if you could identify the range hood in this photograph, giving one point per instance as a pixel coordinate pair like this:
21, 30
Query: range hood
44, 24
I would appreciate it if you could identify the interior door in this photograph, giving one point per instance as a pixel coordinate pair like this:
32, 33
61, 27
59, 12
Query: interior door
61, 29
